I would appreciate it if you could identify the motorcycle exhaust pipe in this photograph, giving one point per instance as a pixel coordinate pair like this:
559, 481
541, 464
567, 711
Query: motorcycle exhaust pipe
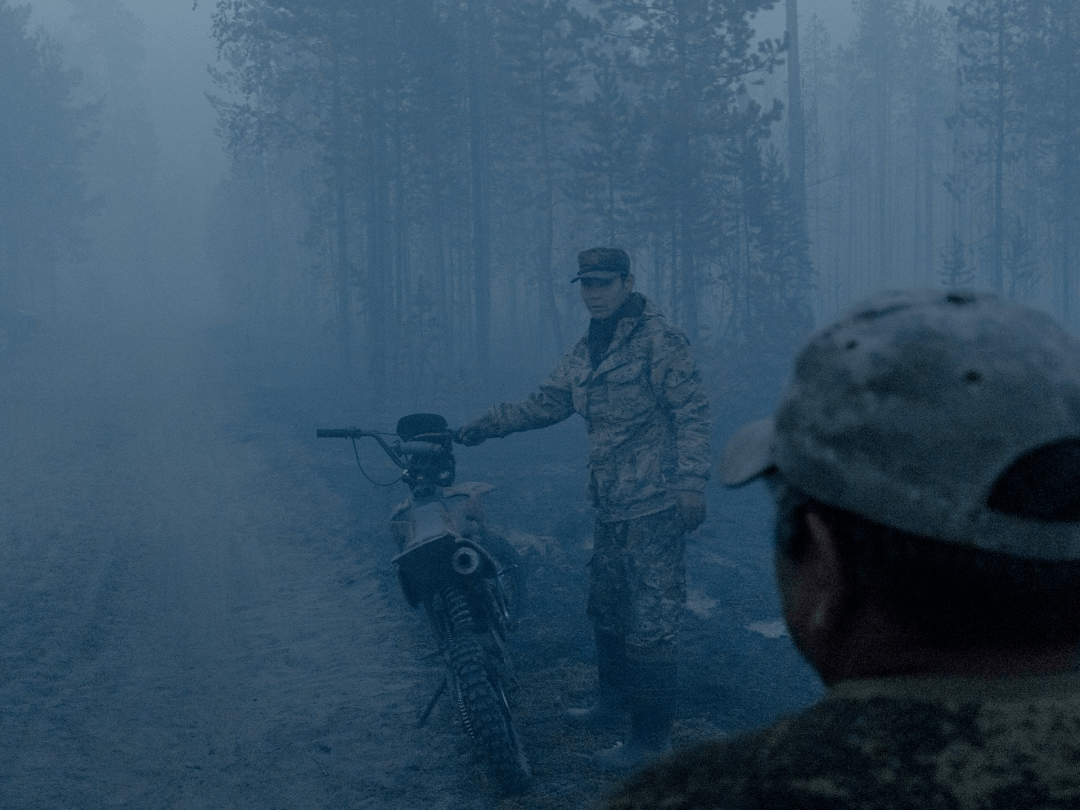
464, 560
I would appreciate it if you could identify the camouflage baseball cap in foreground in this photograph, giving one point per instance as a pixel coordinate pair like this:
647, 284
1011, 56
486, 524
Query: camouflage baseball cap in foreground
602, 261
909, 409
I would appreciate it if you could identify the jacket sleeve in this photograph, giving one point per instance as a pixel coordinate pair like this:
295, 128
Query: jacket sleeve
678, 381
551, 404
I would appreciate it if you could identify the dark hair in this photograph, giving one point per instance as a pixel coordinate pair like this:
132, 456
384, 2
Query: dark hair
952, 595
1042, 484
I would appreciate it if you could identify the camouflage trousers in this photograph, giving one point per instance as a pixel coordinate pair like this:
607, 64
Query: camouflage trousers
637, 587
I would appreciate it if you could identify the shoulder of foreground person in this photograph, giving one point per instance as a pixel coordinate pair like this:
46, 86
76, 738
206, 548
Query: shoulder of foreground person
894, 742
706, 775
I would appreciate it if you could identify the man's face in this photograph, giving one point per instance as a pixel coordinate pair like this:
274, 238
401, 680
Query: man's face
603, 295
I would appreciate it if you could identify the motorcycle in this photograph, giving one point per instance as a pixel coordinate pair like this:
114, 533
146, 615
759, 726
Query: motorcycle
465, 578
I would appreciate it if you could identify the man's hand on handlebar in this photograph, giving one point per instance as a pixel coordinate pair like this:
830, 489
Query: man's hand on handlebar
470, 437
473, 433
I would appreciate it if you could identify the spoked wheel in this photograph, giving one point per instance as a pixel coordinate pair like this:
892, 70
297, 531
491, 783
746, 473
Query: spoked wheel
484, 710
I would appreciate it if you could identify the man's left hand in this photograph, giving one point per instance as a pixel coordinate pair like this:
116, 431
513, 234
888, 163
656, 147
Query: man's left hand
691, 509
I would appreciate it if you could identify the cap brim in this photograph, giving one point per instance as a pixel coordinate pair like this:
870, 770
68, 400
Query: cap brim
597, 274
748, 454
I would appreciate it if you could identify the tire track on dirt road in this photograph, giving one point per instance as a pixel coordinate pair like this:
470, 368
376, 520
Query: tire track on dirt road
187, 618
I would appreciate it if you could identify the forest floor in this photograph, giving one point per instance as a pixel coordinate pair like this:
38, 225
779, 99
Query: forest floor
197, 608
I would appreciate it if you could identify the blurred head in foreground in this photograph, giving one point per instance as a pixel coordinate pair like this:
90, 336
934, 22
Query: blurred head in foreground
925, 459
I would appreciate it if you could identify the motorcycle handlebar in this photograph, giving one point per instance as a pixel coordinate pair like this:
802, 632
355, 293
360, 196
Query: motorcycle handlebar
336, 433
356, 433
395, 452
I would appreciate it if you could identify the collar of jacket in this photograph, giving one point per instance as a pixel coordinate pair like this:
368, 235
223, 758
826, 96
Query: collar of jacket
632, 313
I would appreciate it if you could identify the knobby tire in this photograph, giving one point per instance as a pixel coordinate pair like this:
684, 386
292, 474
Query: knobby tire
481, 703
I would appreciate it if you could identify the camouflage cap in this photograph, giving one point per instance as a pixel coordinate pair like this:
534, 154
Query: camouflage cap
600, 261
908, 409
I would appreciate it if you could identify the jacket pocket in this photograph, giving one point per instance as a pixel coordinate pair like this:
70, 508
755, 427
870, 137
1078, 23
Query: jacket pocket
625, 394
625, 373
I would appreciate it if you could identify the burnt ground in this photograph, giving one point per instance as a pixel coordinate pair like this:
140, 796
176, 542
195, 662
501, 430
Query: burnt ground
197, 608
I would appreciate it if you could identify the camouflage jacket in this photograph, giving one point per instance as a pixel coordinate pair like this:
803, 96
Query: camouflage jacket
646, 411
906, 742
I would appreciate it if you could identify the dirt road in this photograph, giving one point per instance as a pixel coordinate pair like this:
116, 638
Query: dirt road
187, 618
196, 608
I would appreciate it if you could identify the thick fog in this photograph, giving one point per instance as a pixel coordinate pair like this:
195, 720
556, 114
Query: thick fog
225, 225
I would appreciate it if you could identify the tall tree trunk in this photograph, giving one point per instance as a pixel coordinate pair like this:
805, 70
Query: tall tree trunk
380, 249
924, 188
687, 203
883, 231
1066, 276
403, 277
688, 277
342, 269
478, 180
928, 191
1068, 171
998, 241
547, 246
796, 125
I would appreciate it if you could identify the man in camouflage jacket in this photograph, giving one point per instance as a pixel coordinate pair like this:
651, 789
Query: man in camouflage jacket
925, 463
633, 378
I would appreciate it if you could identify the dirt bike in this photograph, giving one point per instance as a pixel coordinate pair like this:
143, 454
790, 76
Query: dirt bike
467, 581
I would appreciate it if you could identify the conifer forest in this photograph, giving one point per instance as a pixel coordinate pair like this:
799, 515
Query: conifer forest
225, 224
409, 183
426, 172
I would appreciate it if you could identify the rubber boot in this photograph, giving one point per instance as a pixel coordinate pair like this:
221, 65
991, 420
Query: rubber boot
653, 699
611, 701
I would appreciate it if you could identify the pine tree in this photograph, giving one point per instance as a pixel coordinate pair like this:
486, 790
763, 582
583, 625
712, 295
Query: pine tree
992, 36
1020, 264
1051, 109
541, 56
923, 52
954, 269
606, 166
878, 54
796, 123
294, 67
44, 205
686, 64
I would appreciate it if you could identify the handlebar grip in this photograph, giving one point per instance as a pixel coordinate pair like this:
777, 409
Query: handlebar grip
333, 433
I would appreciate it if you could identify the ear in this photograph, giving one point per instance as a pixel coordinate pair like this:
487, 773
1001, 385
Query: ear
817, 610
824, 572
628, 282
